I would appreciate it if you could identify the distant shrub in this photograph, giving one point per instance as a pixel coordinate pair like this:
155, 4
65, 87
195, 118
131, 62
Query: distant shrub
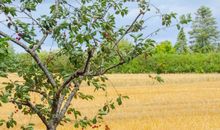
165, 47
174, 63
158, 63
62, 62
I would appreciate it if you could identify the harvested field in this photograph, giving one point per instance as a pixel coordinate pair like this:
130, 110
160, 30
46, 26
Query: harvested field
183, 102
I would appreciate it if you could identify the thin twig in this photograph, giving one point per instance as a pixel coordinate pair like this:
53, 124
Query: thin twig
129, 28
40, 42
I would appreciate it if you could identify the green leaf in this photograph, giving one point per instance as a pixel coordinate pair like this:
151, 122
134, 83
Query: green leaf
119, 100
84, 96
159, 79
80, 38
11, 123
178, 26
4, 97
103, 78
125, 97
102, 113
112, 106
75, 112
2, 122
8, 124
76, 124
30, 126
94, 120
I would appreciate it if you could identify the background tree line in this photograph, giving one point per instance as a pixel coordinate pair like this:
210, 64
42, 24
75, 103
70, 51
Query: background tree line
198, 54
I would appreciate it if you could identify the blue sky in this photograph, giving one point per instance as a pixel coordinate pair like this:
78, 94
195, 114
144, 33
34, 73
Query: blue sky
178, 6
183, 7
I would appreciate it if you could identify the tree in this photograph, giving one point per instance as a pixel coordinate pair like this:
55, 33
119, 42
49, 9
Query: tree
204, 35
181, 44
165, 47
86, 33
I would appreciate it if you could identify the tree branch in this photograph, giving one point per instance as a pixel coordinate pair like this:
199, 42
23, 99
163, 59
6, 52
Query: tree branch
44, 69
16, 42
40, 42
60, 102
44, 94
38, 112
77, 73
45, 32
32, 107
129, 29
58, 97
43, 29
157, 30
86, 67
68, 101
57, 2
35, 57
106, 70
57, 104
113, 66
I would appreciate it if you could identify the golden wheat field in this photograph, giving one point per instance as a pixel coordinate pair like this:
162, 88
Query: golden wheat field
183, 102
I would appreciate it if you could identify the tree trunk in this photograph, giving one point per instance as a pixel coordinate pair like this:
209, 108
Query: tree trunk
52, 127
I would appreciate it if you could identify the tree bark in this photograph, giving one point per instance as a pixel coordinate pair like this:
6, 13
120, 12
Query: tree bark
52, 127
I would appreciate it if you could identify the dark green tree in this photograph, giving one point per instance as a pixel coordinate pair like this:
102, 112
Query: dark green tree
181, 44
204, 35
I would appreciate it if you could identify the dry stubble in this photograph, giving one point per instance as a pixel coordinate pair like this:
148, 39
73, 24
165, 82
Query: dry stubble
183, 102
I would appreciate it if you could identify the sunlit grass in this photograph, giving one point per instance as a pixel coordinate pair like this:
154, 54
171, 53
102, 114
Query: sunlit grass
183, 102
